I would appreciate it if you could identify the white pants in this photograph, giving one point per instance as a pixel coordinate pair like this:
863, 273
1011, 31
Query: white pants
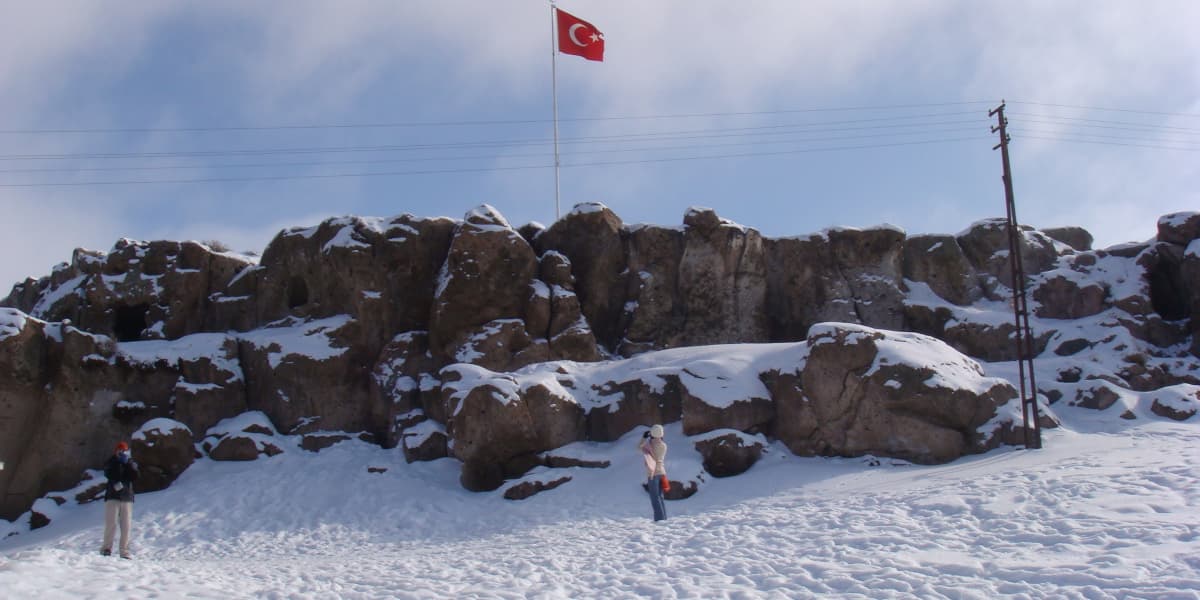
114, 510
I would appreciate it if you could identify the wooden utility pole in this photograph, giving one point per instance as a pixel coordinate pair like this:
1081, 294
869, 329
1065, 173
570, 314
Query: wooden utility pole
1024, 338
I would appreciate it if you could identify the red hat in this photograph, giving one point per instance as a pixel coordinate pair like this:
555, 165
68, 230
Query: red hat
122, 446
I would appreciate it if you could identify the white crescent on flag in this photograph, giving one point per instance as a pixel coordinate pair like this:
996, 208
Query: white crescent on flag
571, 34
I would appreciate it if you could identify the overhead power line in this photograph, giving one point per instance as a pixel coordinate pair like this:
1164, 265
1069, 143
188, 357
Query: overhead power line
630, 136
642, 149
417, 124
1131, 124
1070, 138
473, 123
706, 133
1101, 108
482, 169
1158, 140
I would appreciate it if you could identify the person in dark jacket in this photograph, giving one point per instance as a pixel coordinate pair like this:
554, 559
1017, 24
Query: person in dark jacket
121, 472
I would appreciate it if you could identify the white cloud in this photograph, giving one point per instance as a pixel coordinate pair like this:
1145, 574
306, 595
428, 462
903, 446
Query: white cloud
358, 61
40, 233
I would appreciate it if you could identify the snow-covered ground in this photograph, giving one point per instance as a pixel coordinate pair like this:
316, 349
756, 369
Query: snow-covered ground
1108, 509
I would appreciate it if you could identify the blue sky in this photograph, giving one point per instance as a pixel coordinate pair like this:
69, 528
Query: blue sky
113, 68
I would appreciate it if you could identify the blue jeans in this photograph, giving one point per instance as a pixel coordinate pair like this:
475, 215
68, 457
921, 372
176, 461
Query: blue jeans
654, 487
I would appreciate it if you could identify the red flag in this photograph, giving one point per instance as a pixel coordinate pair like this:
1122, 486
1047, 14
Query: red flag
578, 37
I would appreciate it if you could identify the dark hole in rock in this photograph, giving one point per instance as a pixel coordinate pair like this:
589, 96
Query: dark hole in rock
1168, 295
297, 292
130, 321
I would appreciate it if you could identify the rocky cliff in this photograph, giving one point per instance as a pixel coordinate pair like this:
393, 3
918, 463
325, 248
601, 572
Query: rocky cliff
496, 345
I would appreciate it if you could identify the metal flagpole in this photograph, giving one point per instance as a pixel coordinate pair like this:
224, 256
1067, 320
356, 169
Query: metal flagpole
554, 88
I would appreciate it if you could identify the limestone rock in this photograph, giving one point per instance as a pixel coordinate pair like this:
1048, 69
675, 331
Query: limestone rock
489, 422
310, 376
557, 417
722, 282
1076, 237
422, 446
1179, 228
525, 489
242, 438
395, 387
938, 261
481, 476
315, 442
1125, 250
1062, 297
56, 407
985, 244
862, 392
843, 275
163, 450
639, 404
729, 452
1098, 395
991, 343
210, 385
1177, 402
681, 490
653, 314
486, 279
555, 461
700, 415
241, 448
571, 337
138, 290
381, 272
870, 261
591, 238
500, 345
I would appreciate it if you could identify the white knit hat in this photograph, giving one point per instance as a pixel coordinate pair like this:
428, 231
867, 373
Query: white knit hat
656, 431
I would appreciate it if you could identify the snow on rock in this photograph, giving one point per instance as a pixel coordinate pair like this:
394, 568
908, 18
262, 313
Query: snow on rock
1179, 228
917, 399
537, 481
948, 368
707, 218
241, 438
459, 380
70, 287
1179, 402
253, 421
12, 321
159, 427
486, 217
294, 338
195, 348
721, 382
347, 235
424, 441
584, 208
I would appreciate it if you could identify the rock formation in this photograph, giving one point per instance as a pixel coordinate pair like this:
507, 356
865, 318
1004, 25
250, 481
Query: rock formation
492, 344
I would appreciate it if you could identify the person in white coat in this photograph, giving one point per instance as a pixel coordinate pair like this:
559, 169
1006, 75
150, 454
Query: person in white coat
654, 454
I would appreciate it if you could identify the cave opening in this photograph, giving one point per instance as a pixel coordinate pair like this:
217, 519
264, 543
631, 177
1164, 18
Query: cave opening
130, 321
297, 292
1168, 294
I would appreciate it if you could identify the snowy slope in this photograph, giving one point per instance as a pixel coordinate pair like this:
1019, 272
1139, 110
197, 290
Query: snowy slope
1109, 509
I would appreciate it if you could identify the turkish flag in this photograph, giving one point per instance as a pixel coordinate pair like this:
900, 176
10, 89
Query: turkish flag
578, 37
